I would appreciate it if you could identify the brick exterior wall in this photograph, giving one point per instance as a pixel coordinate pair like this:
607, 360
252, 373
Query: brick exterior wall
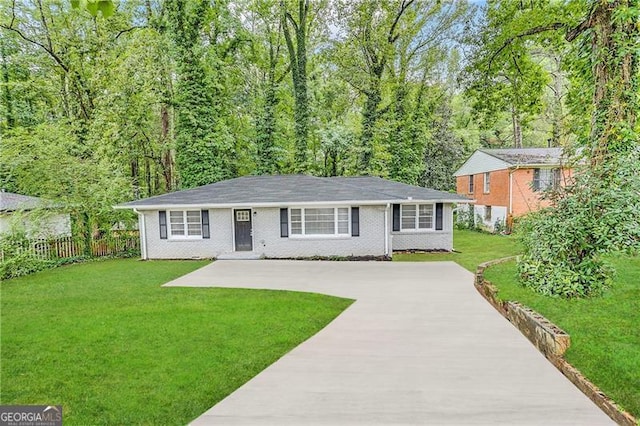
267, 240
524, 198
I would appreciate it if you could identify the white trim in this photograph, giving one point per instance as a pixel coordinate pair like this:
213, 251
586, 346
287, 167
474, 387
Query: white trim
349, 203
335, 235
143, 235
184, 237
417, 228
386, 229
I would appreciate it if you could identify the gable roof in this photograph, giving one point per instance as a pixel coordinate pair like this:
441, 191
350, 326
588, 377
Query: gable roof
282, 190
488, 160
11, 202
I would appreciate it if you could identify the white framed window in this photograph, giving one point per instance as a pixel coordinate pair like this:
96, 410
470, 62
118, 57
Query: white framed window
470, 184
185, 224
487, 182
544, 179
325, 221
416, 217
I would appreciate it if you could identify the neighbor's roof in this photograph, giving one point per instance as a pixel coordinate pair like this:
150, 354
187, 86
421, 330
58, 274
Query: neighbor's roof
11, 202
534, 156
283, 190
488, 160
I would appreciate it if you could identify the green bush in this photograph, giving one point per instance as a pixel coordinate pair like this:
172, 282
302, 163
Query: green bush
17, 260
563, 244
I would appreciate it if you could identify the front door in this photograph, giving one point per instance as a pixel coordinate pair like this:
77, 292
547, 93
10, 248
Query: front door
242, 225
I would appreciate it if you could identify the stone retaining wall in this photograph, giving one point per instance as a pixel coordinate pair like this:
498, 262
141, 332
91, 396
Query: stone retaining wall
551, 340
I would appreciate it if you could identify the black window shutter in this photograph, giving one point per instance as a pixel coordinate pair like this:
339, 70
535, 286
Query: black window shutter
162, 218
438, 216
205, 224
536, 179
284, 223
355, 221
396, 217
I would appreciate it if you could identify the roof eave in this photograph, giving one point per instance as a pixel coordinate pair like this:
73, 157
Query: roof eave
286, 204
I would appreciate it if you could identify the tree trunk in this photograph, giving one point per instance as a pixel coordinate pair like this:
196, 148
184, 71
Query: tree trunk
517, 128
298, 61
10, 119
615, 72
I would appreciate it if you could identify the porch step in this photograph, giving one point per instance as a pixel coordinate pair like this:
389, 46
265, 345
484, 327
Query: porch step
239, 255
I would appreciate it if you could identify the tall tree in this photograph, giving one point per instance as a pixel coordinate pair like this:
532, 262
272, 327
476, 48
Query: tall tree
203, 154
296, 33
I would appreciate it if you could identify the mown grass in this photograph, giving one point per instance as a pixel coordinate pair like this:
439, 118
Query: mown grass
471, 249
605, 331
104, 340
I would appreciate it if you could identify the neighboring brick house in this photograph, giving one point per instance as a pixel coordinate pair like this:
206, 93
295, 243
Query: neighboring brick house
507, 183
295, 216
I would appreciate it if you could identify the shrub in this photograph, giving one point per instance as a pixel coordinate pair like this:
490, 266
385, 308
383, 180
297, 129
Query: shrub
17, 259
563, 244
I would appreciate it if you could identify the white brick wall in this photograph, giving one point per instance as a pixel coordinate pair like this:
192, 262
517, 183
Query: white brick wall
427, 240
267, 240
220, 241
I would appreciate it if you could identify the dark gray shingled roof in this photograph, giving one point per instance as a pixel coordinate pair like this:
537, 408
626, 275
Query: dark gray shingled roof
288, 189
526, 156
12, 202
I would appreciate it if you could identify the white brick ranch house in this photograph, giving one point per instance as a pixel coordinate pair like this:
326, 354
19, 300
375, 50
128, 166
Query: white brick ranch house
295, 216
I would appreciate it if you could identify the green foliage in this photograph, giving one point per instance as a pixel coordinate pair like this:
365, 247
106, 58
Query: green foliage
564, 244
106, 7
15, 258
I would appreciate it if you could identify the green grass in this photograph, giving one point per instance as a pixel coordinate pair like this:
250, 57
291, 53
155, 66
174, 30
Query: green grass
472, 248
605, 331
108, 343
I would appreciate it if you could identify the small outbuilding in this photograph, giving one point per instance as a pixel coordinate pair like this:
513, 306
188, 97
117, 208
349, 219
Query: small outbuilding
289, 216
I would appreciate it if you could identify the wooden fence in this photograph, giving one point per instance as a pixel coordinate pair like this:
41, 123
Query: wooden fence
67, 247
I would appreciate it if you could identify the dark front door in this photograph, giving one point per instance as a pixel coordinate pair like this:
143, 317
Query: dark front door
242, 225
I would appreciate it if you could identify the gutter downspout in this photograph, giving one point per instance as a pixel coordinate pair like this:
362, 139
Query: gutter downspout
386, 230
143, 234
510, 193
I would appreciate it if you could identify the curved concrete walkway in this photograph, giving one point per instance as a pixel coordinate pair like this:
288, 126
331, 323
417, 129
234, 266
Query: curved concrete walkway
419, 346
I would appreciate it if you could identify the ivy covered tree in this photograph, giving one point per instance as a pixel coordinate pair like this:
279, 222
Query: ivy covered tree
204, 150
599, 213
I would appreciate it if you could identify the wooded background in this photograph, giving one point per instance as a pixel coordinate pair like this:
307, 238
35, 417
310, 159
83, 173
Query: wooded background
165, 95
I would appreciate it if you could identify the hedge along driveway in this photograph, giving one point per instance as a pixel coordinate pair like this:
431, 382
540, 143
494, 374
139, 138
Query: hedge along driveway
112, 346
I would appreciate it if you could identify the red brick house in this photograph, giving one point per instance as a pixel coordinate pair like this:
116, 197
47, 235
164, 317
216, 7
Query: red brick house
507, 183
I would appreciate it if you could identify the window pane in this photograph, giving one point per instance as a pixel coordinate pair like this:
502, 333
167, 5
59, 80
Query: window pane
425, 218
194, 229
296, 222
343, 221
319, 222
176, 220
408, 217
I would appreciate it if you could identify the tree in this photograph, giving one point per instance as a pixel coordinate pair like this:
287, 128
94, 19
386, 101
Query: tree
204, 151
298, 30
592, 216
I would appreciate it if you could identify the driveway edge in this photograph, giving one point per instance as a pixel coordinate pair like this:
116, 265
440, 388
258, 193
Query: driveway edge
550, 340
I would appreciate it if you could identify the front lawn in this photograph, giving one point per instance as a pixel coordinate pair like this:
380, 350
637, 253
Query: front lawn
471, 249
113, 347
605, 331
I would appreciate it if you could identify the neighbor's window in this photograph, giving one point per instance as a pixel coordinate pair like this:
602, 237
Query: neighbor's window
185, 223
470, 184
487, 213
487, 182
416, 216
320, 221
545, 178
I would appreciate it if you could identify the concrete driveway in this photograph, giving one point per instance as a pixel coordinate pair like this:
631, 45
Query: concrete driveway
419, 346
